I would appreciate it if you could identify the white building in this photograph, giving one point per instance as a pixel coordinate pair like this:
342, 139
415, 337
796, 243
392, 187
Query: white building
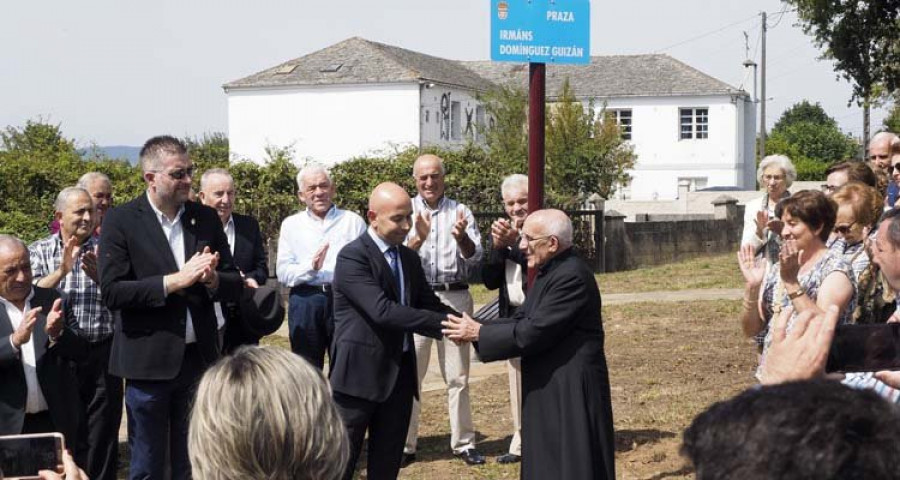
359, 97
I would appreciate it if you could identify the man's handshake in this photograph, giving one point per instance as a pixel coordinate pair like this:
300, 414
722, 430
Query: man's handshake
461, 329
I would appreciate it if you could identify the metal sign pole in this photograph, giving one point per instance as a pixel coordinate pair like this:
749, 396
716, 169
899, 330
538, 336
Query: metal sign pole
536, 117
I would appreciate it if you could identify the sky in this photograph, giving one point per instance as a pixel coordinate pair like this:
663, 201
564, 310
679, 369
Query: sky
116, 73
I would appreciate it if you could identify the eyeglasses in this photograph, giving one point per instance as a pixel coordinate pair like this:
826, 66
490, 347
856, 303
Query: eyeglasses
776, 178
179, 174
843, 229
530, 240
896, 167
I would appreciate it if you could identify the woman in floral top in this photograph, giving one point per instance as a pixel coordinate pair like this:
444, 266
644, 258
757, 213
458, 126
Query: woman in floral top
807, 277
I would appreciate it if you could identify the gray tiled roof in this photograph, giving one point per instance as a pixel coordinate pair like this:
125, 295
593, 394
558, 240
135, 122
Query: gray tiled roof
357, 60
613, 76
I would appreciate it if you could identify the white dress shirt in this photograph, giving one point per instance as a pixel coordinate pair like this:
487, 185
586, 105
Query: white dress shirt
441, 258
302, 234
34, 401
229, 232
175, 235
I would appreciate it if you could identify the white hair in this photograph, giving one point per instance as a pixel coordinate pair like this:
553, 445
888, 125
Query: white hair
63, 198
8, 241
89, 178
780, 161
516, 181
555, 223
311, 169
214, 171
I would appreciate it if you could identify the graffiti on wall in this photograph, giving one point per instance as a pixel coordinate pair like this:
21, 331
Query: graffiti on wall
445, 116
469, 125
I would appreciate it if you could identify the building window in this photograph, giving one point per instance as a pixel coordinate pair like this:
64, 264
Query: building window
455, 121
694, 123
623, 120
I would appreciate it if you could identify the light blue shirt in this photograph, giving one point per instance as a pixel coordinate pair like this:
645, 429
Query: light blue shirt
301, 236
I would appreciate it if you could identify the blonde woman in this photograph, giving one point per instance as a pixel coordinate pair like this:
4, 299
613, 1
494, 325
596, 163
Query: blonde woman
265, 413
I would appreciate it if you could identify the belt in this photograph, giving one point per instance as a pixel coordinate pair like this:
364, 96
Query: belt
447, 287
303, 287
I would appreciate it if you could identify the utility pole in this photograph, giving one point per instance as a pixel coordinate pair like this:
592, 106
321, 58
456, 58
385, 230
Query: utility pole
762, 89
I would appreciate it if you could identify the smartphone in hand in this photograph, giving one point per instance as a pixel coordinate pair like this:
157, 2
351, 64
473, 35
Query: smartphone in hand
865, 348
23, 456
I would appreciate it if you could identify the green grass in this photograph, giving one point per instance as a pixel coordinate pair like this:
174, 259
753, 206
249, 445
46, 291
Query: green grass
716, 271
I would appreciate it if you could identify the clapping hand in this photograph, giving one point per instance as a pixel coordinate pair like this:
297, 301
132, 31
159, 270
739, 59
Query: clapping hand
423, 225
790, 258
319, 257
89, 264
55, 322
70, 255
752, 268
23, 332
503, 234
459, 228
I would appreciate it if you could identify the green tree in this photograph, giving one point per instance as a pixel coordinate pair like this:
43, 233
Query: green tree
804, 112
811, 139
862, 38
207, 151
506, 133
36, 162
585, 151
892, 121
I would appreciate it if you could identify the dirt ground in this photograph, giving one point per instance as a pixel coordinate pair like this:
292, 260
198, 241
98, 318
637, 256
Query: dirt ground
667, 363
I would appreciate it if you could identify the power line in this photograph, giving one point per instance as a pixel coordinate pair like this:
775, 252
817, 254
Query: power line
781, 15
704, 35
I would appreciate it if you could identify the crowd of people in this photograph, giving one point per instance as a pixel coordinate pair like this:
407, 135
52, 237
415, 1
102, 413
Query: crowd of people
159, 305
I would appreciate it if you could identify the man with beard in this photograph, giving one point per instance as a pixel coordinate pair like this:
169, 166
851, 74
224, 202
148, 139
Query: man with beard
164, 261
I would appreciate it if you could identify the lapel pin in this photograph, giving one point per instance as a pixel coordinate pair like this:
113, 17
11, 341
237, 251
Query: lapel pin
193, 221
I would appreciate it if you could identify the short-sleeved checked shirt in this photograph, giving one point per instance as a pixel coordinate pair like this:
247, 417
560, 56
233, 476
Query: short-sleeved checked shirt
95, 320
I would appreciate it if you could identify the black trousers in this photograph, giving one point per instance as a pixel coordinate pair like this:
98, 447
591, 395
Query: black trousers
101, 395
387, 423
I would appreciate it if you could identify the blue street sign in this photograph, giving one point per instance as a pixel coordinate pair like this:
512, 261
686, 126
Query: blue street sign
541, 31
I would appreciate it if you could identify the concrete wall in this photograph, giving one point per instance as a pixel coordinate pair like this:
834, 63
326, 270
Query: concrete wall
723, 159
691, 203
325, 123
631, 245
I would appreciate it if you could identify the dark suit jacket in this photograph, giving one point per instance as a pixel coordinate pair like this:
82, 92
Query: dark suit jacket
370, 323
493, 274
567, 423
148, 343
249, 248
250, 259
55, 371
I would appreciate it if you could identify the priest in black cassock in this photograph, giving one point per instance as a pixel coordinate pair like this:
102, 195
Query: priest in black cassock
567, 423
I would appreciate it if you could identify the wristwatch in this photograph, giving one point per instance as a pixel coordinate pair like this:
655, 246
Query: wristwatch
794, 295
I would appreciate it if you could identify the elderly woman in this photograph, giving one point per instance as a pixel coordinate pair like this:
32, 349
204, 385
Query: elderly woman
859, 207
776, 173
265, 413
808, 276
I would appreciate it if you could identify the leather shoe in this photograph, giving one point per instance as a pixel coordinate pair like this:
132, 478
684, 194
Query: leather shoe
509, 458
407, 459
471, 457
